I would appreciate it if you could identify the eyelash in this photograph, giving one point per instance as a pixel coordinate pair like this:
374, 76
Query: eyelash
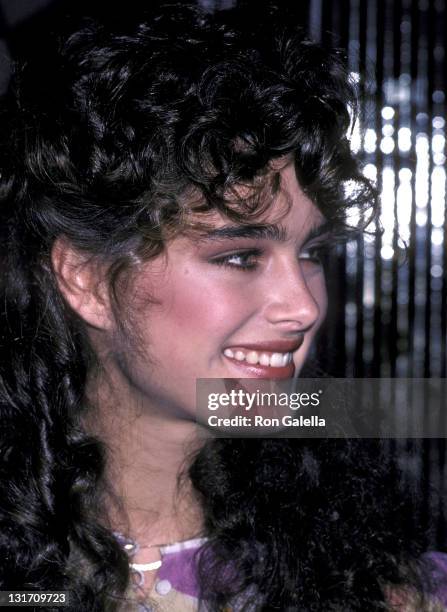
315, 254
244, 255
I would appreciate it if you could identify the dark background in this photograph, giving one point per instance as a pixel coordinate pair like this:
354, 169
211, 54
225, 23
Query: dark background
388, 290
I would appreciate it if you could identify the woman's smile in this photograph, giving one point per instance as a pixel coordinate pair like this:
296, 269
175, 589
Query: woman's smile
265, 359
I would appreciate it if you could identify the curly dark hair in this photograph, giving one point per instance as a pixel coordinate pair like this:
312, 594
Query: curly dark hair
102, 133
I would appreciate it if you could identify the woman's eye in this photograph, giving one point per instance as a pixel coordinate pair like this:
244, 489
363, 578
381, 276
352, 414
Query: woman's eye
314, 254
245, 260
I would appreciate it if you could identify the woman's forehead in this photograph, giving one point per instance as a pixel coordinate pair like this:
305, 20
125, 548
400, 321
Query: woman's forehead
288, 207
278, 223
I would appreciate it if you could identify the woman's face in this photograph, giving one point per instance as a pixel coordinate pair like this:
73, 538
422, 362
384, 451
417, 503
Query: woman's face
239, 302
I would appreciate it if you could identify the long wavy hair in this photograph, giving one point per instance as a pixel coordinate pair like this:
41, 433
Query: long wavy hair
101, 134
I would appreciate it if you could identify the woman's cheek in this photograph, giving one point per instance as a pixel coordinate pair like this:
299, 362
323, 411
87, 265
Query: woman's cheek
212, 305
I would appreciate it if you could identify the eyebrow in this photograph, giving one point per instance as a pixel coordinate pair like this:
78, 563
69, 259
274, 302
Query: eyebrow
259, 231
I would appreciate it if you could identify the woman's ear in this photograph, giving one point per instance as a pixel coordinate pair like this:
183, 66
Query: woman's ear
82, 282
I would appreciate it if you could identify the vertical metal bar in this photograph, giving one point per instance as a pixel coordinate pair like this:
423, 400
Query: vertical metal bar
315, 19
392, 332
438, 216
359, 281
428, 233
388, 193
368, 76
351, 251
379, 59
411, 252
429, 448
415, 447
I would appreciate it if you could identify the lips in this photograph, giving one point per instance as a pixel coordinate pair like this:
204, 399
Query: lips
268, 359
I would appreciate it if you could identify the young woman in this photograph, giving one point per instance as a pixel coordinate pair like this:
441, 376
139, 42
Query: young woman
166, 187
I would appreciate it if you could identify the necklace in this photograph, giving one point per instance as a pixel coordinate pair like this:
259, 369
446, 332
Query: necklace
137, 569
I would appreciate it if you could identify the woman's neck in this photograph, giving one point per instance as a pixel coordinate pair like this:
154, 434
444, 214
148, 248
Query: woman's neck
146, 467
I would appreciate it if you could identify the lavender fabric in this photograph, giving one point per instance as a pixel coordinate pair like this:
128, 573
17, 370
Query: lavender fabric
437, 566
180, 568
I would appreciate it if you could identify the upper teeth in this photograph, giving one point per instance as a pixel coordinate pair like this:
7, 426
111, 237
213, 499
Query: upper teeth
274, 360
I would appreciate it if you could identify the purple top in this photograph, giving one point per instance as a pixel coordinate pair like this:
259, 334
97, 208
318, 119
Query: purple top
438, 574
179, 566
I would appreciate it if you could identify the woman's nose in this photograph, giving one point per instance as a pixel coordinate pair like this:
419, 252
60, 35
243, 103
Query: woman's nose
297, 296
